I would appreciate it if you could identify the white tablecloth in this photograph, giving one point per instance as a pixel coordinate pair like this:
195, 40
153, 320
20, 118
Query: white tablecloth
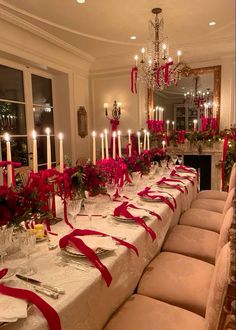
88, 301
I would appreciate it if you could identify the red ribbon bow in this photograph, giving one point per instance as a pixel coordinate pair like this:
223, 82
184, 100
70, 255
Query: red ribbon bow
149, 193
175, 174
49, 313
88, 252
123, 210
167, 182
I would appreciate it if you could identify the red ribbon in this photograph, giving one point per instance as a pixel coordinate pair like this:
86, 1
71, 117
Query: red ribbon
88, 252
225, 148
123, 210
166, 75
134, 77
175, 174
149, 193
167, 182
49, 313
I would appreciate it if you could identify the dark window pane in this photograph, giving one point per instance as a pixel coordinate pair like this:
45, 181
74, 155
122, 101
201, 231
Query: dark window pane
42, 149
43, 117
42, 90
12, 118
11, 84
19, 150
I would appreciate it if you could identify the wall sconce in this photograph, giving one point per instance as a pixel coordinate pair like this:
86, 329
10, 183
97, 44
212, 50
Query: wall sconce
116, 110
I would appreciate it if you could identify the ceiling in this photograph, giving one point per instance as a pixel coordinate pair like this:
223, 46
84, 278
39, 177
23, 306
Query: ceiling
102, 28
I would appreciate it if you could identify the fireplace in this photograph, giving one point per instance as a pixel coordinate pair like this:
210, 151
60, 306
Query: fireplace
202, 163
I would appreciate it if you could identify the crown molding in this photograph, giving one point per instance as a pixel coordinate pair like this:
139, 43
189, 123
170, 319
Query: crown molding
11, 18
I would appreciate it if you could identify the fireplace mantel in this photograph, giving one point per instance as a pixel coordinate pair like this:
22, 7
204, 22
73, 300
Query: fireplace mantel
215, 151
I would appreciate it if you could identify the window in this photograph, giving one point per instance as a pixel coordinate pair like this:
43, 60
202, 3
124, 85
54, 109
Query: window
43, 115
12, 113
21, 113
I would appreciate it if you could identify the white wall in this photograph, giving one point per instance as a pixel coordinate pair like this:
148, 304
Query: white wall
70, 71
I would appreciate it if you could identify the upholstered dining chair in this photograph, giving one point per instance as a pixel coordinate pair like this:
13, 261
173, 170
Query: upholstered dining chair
176, 292
219, 195
206, 219
199, 243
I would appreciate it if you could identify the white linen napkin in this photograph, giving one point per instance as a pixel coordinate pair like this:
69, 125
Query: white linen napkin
137, 213
98, 242
12, 309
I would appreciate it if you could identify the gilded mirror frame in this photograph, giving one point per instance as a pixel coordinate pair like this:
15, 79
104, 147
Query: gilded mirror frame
216, 70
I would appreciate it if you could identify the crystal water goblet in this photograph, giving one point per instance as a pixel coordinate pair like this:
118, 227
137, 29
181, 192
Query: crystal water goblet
74, 207
5, 242
111, 189
180, 160
27, 241
89, 205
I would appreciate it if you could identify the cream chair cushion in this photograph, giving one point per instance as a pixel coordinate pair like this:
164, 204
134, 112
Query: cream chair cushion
178, 280
212, 194
218, 288
144, 313
202, 219
209, 204
193, 242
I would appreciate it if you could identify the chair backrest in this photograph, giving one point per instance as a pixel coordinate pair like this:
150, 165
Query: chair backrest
229, 201
224, 230
218, 289
232, 179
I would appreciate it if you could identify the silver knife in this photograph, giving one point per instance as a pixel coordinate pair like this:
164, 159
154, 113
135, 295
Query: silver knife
41, 284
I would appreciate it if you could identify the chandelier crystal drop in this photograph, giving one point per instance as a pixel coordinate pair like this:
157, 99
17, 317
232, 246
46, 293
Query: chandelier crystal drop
155, 67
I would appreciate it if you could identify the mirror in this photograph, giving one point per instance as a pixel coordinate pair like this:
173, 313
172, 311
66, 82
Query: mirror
196, 94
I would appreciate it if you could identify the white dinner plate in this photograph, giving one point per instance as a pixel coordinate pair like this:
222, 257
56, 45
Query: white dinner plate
154, 200
70, 251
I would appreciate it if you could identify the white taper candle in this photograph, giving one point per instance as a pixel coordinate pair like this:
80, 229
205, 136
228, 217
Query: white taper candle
49, 156
35, 152
61, 153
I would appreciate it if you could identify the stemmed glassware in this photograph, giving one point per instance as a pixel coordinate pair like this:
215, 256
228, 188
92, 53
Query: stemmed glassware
27, 242
174, 158
89, 205
111, 188
74, 207
180, 160
5, 242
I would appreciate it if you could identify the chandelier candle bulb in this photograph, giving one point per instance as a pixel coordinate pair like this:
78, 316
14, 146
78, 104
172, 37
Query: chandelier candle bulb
114, 145
102, 145
173, 125
9, 167
143, 51
129, 141
195, 125
106, 143
139, 143
161, 113
61, 153
49, 156
35, 152
148, 141
179, 53
119, 142
164, 47
94, 147
136, 60
163, 145
145, 140
168, 127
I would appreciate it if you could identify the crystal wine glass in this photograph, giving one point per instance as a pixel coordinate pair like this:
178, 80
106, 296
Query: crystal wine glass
5, 242
180, 160
74, 207
89, 205
111, 189
174, 158
27, 242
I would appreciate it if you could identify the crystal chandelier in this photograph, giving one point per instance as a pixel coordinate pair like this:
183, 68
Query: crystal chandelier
201, 100
155, 67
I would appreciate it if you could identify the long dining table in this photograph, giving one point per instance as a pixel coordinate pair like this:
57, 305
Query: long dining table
88, 302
